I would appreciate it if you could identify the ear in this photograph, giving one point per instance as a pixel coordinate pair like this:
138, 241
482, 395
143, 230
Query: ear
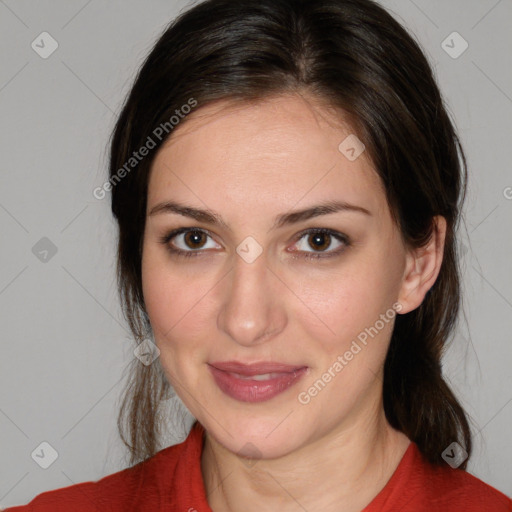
422, 268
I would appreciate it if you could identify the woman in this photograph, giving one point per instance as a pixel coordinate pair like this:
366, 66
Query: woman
288, 185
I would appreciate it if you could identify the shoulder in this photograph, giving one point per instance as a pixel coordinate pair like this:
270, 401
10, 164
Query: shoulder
455, 486
449, 488
419, 486
116, 492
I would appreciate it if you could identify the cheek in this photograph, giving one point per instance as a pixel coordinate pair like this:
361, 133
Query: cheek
178, 302
350, 330
338, 306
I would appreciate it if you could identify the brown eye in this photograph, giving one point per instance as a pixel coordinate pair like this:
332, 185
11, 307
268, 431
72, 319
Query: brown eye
189, 242
319, 241
195, 239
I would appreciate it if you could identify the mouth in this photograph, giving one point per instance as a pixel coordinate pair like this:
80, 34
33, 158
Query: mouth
256, 382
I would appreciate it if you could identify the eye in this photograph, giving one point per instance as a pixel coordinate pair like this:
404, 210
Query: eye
194, 241
323, 242
188, 241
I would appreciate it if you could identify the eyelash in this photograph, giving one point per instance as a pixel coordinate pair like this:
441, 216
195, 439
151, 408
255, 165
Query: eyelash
306, 255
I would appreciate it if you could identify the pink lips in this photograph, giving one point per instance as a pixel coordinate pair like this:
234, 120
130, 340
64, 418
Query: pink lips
270, 379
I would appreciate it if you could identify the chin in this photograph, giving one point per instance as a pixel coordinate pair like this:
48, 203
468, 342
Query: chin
256, 437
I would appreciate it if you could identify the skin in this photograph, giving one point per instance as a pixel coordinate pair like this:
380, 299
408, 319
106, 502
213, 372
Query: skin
249, 163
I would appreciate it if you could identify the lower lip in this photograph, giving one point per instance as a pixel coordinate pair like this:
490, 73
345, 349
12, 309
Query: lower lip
249, 390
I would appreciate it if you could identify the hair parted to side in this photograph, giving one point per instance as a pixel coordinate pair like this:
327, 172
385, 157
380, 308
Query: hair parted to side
358, 59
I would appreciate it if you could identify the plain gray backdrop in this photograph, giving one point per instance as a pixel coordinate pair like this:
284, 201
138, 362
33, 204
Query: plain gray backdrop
64, 343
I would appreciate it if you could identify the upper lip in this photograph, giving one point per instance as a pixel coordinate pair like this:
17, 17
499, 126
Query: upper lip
251, 369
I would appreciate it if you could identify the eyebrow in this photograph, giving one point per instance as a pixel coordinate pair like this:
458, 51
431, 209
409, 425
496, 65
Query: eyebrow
210, 217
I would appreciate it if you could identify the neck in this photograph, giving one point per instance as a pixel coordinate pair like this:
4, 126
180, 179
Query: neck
341, 471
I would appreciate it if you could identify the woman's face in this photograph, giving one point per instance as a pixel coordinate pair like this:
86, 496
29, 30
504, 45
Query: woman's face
269, 275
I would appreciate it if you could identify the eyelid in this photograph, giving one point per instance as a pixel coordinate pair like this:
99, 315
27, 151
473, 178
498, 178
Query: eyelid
336, 234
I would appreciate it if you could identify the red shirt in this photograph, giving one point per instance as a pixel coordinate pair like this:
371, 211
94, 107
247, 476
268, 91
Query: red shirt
171, 481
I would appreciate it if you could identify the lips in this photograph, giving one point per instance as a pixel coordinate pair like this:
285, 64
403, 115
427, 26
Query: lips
255, 382
248, 370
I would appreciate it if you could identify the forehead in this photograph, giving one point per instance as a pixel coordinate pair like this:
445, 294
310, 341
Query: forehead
282, 149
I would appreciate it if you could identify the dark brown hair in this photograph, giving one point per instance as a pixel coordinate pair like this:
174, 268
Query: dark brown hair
358, 59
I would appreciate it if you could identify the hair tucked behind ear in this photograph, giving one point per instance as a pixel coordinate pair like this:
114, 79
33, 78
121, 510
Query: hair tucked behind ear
417, 399
355, 57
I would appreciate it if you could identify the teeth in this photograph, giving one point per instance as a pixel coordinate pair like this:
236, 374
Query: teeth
263, 376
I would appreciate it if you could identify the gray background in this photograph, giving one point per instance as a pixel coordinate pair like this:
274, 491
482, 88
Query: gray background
64, 343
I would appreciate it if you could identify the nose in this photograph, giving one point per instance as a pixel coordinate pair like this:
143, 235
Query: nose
251, 311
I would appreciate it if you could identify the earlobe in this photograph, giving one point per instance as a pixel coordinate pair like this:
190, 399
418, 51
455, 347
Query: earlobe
422, 268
